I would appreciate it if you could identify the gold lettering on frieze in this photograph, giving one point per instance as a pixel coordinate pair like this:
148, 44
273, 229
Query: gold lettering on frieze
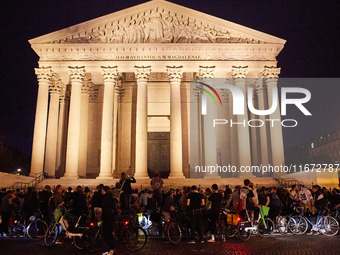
152, 57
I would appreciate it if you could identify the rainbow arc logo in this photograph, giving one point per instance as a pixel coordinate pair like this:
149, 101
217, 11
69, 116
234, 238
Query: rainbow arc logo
209, 93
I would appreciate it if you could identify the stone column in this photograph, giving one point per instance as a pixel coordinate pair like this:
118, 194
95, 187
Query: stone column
261, 97
44, 75
276, 140
77, 75
110, 80
234, 155
84, 119
141, 166
116, 95
62, 128
176, 162
224, 132
254, 133
52, 129
209, 131
239, 74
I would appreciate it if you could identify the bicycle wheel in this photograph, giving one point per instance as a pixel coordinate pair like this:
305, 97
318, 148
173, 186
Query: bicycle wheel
230, 230
51, 234
93, 241
134, 238
18, 229
266, 228
36, 230
297, 225
174, 233
153, 230
242, 232
330, 226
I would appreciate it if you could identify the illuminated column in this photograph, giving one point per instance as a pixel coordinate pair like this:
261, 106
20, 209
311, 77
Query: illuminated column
234, 157
271, 76
62, 128
77, 75
116, 95
239, 74
110, 75
223, 141
254, 132
83, 133
261, 97
175, 77
44, 75
52, 129
142, 75
209, 131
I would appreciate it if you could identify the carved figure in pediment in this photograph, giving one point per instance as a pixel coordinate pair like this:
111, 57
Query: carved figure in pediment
117, 36
184, 35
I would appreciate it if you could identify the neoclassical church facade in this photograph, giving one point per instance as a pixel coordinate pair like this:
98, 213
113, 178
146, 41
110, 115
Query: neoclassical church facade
114, 92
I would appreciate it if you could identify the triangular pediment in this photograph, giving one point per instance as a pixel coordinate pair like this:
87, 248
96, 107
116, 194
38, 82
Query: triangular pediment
157, 22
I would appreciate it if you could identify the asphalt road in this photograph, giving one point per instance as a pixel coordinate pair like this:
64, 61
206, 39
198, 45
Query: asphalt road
256, 245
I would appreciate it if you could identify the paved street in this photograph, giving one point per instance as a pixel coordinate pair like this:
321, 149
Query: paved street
256, 245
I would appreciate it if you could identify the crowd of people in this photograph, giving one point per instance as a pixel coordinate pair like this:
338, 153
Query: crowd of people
104, 203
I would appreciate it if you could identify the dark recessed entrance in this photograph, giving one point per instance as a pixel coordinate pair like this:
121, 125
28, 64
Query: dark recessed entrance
159, 153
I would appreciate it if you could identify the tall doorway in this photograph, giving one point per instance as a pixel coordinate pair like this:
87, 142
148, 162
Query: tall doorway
159, 153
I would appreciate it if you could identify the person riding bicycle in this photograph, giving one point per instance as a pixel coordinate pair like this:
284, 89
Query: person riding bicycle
216, 207
247, 201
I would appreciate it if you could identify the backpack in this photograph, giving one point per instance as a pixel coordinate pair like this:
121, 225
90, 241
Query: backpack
241, 203
275, 201
51, 204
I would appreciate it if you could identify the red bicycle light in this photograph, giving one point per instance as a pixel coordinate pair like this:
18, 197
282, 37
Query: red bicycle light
168, 220
126, 222
238, 219
91, 224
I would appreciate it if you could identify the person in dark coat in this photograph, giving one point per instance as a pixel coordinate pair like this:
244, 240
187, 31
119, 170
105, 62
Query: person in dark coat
109, 213
125, 197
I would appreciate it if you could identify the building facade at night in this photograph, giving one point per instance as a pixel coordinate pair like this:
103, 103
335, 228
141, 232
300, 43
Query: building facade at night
114, 92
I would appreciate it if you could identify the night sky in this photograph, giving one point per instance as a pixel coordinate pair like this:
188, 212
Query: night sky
311, 28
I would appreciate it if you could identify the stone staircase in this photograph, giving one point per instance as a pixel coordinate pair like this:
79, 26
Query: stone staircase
14, 181
145, 183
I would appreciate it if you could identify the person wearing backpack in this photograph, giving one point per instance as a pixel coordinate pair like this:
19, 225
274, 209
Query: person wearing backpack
274, 202
247, 201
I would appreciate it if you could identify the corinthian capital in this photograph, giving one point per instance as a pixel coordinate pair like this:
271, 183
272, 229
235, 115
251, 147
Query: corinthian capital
77, 73
110, 73
142, 73
55, 87
271, 72
44, 74
206, 72
87, 86
239, 72
175, 73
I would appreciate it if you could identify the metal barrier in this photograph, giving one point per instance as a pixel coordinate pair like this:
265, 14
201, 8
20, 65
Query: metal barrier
23, 185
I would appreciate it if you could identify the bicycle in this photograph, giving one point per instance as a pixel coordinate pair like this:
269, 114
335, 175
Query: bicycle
132, 237
36, 230
177, 227
228, 223
327, 225
63, 226
264, 226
